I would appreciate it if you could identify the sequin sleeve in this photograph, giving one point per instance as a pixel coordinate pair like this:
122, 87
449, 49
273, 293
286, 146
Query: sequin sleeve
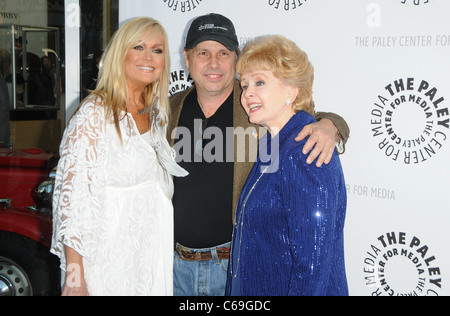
316, 203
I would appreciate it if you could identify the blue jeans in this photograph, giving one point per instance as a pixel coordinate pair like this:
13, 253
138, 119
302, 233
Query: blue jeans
200, 278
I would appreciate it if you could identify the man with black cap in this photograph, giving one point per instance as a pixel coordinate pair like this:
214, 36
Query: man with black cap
205, 201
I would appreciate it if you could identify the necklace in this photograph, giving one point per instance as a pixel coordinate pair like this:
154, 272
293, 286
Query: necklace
145, 110
241, 224
152, 112
155, 102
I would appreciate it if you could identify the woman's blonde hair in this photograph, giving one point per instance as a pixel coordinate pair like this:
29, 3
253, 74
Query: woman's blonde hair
286, 61
112, 85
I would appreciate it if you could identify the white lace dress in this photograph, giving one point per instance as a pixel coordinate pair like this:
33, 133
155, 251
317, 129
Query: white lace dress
112, 204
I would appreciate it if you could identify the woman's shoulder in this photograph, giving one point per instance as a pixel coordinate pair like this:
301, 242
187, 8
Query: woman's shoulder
92, 106
93, 103
291, 151
294, 127
91, 112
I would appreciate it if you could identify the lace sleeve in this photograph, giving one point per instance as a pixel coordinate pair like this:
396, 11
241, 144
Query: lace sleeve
79, 184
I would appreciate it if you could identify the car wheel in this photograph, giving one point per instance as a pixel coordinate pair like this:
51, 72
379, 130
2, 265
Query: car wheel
27, 268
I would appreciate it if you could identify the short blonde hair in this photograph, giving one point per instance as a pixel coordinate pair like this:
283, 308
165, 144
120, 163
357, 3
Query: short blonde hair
112, 84
286, 61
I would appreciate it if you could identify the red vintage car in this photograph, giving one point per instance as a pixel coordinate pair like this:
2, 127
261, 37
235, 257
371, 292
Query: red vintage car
26, 185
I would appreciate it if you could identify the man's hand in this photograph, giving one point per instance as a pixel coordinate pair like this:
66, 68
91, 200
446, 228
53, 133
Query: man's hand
322, 137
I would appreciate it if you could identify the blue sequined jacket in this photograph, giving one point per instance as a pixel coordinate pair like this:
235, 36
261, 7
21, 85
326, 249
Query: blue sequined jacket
289, 230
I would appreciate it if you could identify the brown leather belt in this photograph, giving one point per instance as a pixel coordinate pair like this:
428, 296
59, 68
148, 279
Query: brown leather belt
188, 255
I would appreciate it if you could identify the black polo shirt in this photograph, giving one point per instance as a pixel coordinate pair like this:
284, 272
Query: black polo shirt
203, 200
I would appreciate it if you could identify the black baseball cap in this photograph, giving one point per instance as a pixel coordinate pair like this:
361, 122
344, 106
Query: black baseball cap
212, 27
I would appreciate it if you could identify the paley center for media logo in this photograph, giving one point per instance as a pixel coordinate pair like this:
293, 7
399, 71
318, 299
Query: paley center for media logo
287, 5
183, 5
415, 2
402, 264
410, 120
180, 80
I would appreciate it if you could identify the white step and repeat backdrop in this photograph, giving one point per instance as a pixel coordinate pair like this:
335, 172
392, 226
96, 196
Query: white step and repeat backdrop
384, 65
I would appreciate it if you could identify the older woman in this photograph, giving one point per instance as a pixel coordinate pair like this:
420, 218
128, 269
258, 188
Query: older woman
113, 217
288, 234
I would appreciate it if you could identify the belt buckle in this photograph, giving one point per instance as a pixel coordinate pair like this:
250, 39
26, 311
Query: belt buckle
181, 250
222, 253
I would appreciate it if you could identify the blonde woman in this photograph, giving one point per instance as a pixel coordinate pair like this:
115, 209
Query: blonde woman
113, 217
